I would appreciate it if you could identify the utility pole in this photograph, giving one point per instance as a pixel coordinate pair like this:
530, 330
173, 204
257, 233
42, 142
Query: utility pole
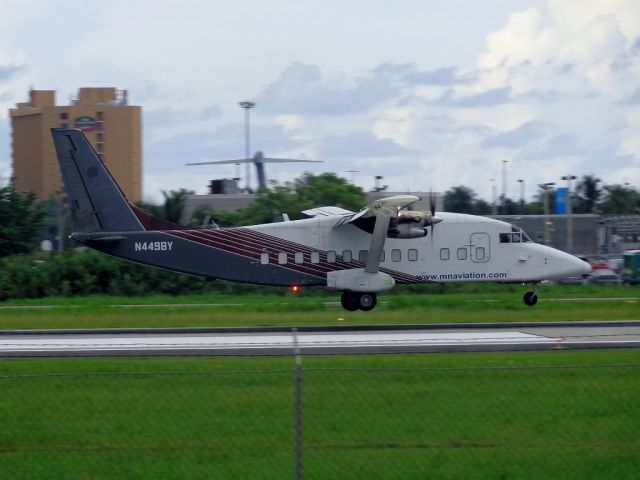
494, 204
547, 232
568, 178
504, 187
247, 105
521, 182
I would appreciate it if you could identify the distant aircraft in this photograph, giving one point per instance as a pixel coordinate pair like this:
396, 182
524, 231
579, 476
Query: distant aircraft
258, 160
359, 254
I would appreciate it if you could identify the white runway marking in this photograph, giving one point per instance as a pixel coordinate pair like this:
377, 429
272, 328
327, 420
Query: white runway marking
284, 341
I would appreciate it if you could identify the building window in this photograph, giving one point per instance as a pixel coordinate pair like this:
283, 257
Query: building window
315, 257
412, 255
282, 258
264, 258
298, 257
363, 255
331, 256
396, 255
347, 256
444, 254
462, 253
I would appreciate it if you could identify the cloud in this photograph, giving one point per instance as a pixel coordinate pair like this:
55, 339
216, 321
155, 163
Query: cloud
518, 137
169, 116
487, 98
302, 89
361, 144
9, 71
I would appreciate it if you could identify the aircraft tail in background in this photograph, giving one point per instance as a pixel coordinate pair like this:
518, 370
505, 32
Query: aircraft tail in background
97, 204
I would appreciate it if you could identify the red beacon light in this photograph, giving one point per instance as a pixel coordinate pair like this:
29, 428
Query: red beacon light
295, 289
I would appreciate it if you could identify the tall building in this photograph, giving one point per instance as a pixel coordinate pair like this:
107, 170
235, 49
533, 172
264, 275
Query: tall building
112, 126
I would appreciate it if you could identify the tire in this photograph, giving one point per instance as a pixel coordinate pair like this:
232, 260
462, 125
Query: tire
367, 301
530, 298
349, 301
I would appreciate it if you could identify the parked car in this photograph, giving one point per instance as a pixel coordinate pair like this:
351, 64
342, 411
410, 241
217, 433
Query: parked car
604, 275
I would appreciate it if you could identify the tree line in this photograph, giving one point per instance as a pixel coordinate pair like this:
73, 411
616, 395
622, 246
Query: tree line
27, 272
591, 195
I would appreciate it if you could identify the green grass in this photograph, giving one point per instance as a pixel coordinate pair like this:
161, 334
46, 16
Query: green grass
569, 414
409, 305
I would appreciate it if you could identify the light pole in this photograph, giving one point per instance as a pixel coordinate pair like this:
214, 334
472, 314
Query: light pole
521, 182
247, 105
503, 203
568, 178
353, 175
547, 233
494, 205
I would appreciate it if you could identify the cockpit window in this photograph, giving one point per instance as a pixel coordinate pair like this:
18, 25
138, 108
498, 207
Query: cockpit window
516, 236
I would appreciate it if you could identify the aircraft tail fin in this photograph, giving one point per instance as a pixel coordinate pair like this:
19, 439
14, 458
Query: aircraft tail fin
96, 201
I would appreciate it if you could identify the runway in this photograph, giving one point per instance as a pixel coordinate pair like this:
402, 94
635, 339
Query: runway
345, 340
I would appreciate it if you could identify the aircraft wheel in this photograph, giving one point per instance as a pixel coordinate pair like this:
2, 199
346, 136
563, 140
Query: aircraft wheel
349, 301
367, 301
530, 298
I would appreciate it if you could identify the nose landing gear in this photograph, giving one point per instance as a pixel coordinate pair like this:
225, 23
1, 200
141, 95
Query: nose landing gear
353, 301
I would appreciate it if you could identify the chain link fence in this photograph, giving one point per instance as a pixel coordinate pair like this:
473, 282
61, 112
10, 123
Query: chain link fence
383, 417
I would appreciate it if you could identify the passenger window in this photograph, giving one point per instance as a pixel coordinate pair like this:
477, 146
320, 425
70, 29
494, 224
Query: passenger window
331, 256
480, 253
396, 255
462, 253
412, 255
363, 255
346, 256
382, 256
315, 257
299, 257
264, 258
444, 254
282, 258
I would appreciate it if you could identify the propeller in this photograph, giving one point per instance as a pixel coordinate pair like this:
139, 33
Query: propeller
432, 211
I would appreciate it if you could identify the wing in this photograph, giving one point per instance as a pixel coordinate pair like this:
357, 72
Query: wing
327, 212
223, 162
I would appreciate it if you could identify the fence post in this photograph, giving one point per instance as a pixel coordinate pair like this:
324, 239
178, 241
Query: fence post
299, 408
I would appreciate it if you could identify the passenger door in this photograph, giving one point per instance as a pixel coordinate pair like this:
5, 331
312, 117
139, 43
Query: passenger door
480, 247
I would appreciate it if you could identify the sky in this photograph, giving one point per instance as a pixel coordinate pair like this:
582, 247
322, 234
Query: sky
428, 95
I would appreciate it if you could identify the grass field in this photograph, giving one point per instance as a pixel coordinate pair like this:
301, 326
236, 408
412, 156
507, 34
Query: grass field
460, 303
569, 415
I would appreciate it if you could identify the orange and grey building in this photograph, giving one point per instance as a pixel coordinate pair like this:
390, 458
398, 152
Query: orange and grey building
113, 127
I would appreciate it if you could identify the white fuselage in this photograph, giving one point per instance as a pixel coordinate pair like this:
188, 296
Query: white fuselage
461, 248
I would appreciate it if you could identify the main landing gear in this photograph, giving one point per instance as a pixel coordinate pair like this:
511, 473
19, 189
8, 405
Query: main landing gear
531, 298
353, 301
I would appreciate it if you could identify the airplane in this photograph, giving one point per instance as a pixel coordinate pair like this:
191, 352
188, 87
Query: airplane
258, 160
357, 253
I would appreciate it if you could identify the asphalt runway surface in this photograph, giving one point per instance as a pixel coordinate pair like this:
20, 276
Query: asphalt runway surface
309, 340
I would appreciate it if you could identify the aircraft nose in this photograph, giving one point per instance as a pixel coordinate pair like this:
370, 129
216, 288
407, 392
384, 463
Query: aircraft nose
562, 265
585, 268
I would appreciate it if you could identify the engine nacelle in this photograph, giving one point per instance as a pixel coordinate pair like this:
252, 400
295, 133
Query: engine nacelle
357, 280
406, 230
410, 224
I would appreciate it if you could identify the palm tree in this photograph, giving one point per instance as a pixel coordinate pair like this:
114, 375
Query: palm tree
588, 193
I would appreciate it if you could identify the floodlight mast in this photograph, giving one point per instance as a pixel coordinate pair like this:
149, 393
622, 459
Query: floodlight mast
247, 105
